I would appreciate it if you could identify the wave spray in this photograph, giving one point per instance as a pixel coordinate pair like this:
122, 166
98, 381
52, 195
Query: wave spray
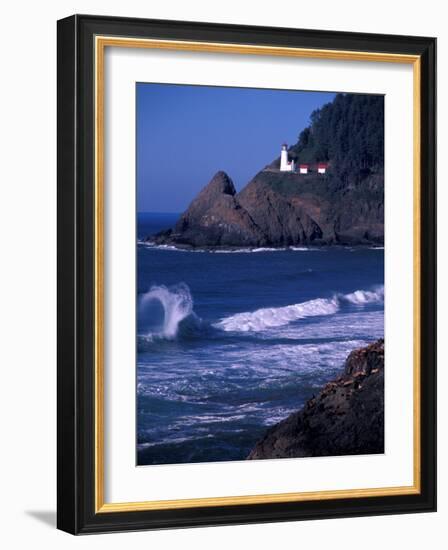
177, 305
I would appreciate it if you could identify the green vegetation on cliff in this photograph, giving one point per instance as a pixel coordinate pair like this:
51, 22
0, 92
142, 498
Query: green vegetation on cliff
349, 134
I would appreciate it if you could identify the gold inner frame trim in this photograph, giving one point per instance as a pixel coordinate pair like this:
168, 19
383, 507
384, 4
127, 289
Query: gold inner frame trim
101, 42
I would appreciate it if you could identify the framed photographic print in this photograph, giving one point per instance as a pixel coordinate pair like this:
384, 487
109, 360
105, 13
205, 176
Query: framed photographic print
246, 270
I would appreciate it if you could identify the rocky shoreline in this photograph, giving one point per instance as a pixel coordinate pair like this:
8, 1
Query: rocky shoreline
345, 418
275, 210
152, 242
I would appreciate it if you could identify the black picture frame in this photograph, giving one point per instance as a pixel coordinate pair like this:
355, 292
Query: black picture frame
76, 511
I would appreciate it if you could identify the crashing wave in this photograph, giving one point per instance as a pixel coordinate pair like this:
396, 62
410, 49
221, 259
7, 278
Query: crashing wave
362, 297
177, 305
272, 317
277, 316
180, 319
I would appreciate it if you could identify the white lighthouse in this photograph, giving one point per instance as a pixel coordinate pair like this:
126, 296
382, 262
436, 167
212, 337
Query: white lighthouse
285, 164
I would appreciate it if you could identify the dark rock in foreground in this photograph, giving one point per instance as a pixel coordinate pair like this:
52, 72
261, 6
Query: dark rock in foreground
346, 418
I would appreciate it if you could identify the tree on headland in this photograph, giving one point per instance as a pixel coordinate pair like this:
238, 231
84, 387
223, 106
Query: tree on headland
349, 134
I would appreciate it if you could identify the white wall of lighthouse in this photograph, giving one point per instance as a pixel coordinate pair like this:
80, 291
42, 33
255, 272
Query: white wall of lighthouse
285, 164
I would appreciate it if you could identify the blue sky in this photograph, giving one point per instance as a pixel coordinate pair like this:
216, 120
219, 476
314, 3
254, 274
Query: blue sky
185, 134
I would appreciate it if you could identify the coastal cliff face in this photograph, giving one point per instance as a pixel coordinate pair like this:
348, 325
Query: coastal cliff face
345, 418
279, 209
343, 206
214, 218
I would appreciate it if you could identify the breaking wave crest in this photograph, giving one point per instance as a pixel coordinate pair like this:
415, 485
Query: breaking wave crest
179, 320
177, 304
361, 297
266, 318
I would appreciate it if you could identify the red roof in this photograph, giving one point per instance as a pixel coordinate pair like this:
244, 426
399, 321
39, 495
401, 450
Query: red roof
322, 165
304, 166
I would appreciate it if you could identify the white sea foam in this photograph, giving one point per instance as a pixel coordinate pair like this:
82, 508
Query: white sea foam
266, 249
246, 250
169, 247
277, 316
232, 251
148, 244
361, 297
305, 249
265, 318
177, 304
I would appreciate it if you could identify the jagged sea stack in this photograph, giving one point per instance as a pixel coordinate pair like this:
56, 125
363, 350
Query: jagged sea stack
215, 218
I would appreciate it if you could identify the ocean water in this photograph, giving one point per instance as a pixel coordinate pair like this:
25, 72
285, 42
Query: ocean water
231, 342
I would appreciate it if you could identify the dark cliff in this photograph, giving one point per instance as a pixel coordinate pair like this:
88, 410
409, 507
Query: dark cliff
214, 218
345, 418
343, 206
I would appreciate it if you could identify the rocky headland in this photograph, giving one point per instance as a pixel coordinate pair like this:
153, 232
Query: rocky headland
278, 209
344, 206
345, 418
